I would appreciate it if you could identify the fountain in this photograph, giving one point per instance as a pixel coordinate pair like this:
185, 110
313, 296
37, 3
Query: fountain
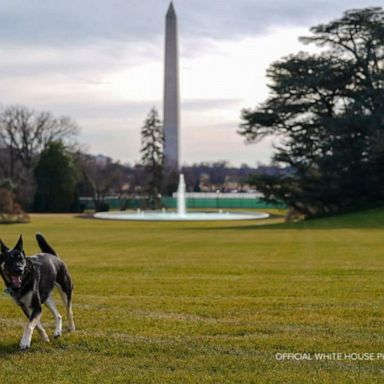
181, 213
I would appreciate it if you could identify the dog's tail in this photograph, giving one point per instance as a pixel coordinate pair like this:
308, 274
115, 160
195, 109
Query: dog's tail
44, 246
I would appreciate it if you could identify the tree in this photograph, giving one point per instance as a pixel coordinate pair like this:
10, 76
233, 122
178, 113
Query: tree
56, 180
10, 209
328, 110
24, 133
99, 177
152, 155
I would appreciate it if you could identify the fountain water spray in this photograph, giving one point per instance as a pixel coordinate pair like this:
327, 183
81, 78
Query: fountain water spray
181, 205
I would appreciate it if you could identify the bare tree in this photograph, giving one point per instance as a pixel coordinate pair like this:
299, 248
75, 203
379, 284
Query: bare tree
10, 209
24, 133
99, 178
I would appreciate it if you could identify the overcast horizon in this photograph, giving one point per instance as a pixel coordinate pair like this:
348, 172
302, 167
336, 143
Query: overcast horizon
101, 63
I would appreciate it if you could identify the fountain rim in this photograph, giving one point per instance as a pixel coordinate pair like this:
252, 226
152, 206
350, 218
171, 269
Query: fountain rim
160, 216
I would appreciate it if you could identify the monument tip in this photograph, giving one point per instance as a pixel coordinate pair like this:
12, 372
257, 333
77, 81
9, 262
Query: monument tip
171, 9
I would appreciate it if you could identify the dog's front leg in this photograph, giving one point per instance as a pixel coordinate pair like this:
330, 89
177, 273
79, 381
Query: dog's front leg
42, 332
27, 311
25, 342
34, 320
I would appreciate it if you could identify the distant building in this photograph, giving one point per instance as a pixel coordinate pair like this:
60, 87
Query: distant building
102, 160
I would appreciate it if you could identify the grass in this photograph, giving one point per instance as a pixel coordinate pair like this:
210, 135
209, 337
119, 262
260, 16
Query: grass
207, 302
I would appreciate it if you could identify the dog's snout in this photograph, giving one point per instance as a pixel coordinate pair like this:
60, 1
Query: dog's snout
19, 270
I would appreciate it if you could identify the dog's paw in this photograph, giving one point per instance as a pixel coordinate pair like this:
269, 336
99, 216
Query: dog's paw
44, 336
57, 334
23, 347
45, 339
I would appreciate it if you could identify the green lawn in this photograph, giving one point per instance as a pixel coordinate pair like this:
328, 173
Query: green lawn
207, 302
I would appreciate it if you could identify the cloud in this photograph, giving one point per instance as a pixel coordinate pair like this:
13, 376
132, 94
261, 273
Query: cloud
85, 21
220, 142
24, 59
202, 104
109, 88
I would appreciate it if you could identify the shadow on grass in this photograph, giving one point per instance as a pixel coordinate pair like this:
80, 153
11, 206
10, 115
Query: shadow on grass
365, 219
2, 222
7, 349
369, 219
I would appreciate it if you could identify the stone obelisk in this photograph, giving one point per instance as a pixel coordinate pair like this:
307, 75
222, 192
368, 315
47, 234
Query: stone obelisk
171, 91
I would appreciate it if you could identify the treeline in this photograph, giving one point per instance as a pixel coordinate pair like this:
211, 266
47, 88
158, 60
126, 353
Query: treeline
42, 168
102, 177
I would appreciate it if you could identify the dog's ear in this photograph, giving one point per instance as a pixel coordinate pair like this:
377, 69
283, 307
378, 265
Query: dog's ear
19, 245
3, 247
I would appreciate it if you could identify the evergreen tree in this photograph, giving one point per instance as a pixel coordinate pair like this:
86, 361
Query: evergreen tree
56, 180
328, 111
152, 155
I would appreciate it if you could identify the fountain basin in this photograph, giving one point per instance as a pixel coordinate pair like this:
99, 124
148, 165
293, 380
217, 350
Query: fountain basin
181, 213
175, 216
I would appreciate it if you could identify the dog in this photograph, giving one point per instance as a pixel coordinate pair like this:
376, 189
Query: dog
30, 282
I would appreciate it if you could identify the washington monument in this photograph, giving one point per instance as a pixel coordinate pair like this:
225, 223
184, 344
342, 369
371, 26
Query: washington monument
171, 91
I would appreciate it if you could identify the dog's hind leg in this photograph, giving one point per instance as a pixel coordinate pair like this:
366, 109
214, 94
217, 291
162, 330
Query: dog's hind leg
71, 323
67, 300
65, 286
58, 319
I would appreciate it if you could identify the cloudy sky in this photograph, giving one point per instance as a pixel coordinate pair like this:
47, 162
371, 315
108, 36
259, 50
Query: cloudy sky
101, 62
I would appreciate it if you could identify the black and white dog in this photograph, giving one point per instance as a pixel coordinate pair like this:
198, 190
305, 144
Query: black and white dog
30, 281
